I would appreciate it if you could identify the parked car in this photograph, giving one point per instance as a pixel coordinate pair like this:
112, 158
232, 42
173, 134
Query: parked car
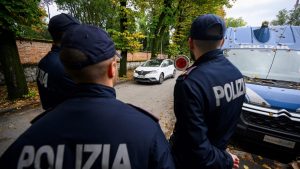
155, 70
269, 59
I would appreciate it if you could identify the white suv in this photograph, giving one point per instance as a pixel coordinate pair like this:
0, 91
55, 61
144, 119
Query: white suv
155, 70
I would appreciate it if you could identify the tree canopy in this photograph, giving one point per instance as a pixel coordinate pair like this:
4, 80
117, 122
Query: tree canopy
284, 17
17, 14
235, 22
154, 25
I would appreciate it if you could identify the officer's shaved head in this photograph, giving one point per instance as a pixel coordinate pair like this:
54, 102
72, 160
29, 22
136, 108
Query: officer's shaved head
210, 44
88, 74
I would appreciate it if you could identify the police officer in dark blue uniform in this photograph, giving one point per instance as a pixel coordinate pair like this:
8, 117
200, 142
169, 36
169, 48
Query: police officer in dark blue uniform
92, 129
53, 84
207, 101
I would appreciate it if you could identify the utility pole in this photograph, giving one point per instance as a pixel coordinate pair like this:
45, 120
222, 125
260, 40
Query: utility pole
297, 3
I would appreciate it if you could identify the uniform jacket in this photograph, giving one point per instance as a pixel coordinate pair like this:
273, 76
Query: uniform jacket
53, 84
91, 130
207, 103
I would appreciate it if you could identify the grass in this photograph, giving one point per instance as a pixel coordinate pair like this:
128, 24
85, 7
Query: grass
32, 98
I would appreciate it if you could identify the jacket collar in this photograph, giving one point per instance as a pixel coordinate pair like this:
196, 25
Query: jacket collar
208, 56
95, 90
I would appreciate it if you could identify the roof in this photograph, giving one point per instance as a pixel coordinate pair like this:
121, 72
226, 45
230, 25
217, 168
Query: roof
275, 37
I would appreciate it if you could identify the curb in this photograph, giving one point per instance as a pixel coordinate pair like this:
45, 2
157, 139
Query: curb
123, 81
17, 109
5, 110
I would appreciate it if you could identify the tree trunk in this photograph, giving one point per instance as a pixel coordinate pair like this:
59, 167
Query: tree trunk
154, 47
158, 29
123, 27
11, 64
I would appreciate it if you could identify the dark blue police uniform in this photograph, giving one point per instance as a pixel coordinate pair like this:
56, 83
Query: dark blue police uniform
53, 83
207, 104
91, 130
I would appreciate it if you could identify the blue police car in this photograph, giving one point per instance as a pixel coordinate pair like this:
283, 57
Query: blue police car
269, 59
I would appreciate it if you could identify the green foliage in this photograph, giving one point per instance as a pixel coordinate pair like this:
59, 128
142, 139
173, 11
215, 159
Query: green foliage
294, 18
31, 94
186, 11
284, 17
148, 23
173, 50
106, 14
235, 22
126, 40
101, 13
15, 15
29, 33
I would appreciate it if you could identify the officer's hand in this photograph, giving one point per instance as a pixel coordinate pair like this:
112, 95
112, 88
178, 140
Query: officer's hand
236, 161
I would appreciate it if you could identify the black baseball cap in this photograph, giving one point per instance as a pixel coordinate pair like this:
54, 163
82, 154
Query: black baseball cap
201, 25
94, 42
59, 24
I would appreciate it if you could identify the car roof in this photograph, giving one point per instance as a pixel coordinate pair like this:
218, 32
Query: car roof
274, 37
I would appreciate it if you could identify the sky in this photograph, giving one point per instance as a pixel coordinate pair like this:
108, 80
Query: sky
254, 12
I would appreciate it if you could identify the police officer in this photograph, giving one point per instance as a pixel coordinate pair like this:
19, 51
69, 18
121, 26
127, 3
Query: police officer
207, 101
92, 129
54, 85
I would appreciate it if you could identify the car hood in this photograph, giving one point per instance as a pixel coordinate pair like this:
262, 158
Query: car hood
274, 97
146, 68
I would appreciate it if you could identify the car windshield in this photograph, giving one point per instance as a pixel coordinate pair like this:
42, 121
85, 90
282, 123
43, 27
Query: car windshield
152, 63
267, 64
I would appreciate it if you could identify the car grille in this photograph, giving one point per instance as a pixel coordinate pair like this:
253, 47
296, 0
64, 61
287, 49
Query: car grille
142, 72
281, 123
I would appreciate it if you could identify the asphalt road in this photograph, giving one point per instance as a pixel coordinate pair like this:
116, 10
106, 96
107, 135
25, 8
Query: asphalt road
157, 99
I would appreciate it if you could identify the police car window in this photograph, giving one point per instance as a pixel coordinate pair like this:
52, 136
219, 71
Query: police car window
259, 63
286, 66
253, 63
152, 63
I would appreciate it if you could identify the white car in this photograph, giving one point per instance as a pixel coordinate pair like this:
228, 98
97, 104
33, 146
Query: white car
155, 70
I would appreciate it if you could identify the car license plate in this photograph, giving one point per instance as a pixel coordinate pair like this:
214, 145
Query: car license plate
140, 76
279, 141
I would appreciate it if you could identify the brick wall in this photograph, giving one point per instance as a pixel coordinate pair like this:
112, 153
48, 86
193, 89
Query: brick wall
31, 52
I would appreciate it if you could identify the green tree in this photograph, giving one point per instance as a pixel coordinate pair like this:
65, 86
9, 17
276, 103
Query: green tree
14, 16
115, 16
159, 25
235, 22
294, 18
94, 12
186, 11
126, 38
282, 18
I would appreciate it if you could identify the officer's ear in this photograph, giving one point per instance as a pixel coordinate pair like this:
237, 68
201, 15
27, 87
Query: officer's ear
222, 43
191, 44
112, 68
